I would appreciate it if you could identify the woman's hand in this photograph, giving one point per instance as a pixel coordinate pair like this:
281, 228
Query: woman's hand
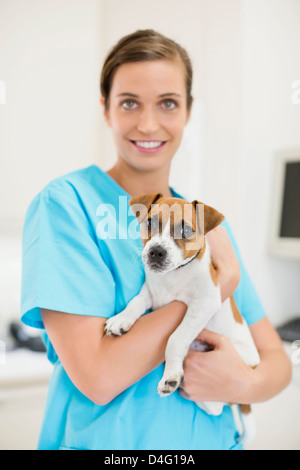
225, 261
218, 375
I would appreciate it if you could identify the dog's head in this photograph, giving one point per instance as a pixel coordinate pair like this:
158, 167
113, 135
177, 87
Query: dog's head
172, 230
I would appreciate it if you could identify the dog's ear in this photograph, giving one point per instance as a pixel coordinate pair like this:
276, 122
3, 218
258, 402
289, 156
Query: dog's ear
207, 217
140, 205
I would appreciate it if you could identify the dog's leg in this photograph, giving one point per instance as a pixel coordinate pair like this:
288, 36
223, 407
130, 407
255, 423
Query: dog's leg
195, 319
122, 322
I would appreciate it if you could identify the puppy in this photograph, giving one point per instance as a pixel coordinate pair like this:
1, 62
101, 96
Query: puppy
178, 266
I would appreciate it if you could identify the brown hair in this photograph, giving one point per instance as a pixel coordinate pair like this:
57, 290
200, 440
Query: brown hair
143, 45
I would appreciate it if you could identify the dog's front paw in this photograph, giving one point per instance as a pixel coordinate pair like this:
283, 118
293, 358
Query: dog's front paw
169, 383
117, 325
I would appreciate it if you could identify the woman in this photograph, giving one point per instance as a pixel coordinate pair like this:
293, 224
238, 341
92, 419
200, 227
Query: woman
102, 394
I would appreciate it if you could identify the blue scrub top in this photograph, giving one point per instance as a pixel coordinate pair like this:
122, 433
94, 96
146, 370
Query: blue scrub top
78, 259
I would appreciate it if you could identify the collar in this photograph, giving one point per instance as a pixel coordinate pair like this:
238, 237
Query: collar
185, 264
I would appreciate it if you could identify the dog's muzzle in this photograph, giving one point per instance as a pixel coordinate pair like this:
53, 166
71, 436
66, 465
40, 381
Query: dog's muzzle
157, 256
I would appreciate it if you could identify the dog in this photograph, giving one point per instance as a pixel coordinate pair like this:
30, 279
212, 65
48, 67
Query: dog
178, 266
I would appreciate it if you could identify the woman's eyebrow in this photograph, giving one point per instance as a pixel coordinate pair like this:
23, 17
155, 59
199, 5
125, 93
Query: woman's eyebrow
128, 94
170, 94
132, 95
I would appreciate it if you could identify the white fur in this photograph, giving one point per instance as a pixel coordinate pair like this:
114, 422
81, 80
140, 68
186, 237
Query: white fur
193, 285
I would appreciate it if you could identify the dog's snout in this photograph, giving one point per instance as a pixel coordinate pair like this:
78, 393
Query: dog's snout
157, 254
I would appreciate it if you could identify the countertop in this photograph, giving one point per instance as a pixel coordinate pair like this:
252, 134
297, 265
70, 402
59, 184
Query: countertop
21, 367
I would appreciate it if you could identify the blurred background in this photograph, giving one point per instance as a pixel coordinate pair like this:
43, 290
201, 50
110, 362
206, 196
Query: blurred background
244, 132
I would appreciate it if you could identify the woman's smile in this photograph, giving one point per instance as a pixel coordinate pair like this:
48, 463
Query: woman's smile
148, 146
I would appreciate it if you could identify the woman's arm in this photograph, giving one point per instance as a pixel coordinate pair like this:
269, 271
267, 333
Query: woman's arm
221, 375
274, 372
225, 261
223, 368
100, 366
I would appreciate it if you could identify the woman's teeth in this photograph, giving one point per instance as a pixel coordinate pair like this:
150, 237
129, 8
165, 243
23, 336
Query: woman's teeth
148, 145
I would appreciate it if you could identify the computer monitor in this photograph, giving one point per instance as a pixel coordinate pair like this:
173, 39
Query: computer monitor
285, 199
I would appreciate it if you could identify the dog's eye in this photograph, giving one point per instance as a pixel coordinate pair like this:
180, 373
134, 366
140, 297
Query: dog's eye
151, 224
187, 231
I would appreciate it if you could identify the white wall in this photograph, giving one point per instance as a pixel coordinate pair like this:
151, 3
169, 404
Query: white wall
270, 122
50, 64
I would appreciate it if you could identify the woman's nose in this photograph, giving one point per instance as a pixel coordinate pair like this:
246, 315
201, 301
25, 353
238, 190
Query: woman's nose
148, 121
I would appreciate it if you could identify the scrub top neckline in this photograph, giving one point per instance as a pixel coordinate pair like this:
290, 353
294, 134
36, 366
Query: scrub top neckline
120, 189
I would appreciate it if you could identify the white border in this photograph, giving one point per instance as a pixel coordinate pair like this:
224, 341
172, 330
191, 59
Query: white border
285, 247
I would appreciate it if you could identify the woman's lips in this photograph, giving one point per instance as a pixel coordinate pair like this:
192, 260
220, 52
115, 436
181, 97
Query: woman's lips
148, 146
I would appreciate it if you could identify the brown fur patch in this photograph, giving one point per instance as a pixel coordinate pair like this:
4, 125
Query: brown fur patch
245, 409
236, 314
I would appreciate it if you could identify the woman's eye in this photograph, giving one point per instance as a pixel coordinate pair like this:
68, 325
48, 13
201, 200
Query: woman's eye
129, 104
168, 104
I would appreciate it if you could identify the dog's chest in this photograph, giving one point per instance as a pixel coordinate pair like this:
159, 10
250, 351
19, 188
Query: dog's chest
183, 284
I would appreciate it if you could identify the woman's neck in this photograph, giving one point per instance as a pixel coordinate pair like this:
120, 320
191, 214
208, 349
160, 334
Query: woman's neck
136, 182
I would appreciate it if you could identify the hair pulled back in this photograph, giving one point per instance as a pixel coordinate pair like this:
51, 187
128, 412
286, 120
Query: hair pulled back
144, 45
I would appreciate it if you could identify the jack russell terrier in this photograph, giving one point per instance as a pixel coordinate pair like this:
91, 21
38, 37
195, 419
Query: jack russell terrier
178, 266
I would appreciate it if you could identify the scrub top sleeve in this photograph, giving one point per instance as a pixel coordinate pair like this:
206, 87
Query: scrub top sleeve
246, 297
62, 266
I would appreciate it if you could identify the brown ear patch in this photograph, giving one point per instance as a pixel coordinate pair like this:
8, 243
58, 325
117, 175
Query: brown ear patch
140, 205
236, 314
212, 218
207, 217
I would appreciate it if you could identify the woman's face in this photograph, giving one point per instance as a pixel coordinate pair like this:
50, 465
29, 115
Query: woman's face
147, 112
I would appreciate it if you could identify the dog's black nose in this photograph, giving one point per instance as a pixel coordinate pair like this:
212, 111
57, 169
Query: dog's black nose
157, 254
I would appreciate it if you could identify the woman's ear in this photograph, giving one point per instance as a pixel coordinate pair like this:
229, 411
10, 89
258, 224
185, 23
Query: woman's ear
105, 111
189, 112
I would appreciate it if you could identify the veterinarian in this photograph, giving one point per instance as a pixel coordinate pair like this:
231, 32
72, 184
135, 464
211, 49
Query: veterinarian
102, 393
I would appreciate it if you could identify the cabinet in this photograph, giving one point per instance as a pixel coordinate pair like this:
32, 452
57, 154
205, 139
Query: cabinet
278, 420
24, 380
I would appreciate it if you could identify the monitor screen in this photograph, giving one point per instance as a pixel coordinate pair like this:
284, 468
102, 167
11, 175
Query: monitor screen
284, 227
290, 216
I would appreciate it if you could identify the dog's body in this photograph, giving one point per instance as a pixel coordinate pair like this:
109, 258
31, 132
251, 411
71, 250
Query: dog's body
176, 271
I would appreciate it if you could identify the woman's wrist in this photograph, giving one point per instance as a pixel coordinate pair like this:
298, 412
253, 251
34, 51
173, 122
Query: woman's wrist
224, 260
228, 281
249, 386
